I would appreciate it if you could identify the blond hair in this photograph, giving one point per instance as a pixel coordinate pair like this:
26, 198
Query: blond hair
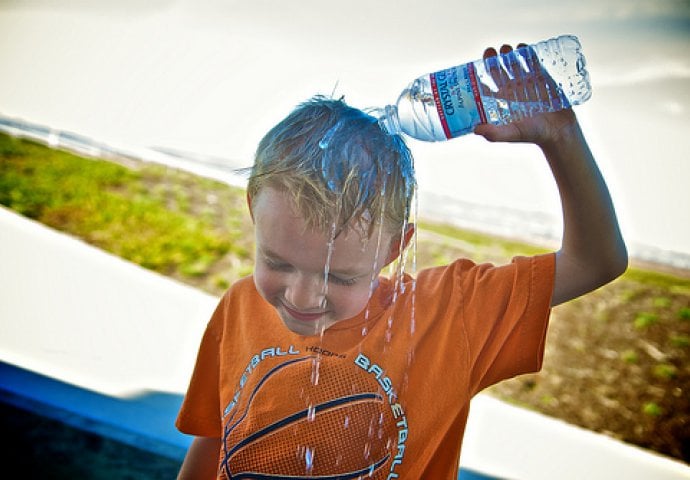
340, 168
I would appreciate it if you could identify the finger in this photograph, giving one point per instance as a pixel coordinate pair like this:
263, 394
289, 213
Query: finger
489, 72
544, 86
530, 58
510, 62
506, 60
514, 81
495, 133
530, 66
499, 70
489, 52
527, 58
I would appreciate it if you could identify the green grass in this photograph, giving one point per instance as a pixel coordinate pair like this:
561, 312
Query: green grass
659, 279
509, 248
112, 207
652, 409
629, 356
645, 319
665, 371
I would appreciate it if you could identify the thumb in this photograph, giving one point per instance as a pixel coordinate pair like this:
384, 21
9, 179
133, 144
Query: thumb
496, 133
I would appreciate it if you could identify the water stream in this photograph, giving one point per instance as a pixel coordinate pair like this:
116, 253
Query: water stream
342, 164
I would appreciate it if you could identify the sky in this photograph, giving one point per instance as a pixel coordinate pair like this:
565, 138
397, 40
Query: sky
211, 77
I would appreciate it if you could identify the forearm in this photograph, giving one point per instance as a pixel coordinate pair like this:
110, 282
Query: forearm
592, 251
201, 461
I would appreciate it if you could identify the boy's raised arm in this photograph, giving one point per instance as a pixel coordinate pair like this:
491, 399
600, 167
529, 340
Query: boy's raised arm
592, 251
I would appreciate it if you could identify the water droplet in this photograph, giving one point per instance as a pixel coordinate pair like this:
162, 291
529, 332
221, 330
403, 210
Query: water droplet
315, 370
367, 450
325, 142
309, 459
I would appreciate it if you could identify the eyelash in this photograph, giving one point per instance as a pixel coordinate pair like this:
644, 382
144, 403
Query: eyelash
284, 267
280, 267
341, 281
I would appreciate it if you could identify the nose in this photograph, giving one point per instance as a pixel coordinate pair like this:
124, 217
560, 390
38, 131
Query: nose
305, 292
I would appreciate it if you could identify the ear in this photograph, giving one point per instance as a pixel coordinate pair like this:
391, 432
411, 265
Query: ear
397, 247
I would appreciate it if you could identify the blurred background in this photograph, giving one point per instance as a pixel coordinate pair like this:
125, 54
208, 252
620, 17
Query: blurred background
196, 84
205, 80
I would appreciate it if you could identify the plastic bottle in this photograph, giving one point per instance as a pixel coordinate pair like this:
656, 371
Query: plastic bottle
544, 77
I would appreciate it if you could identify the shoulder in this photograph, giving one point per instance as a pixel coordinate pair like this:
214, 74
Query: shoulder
242, 290
238, 297
465, 277
469, 270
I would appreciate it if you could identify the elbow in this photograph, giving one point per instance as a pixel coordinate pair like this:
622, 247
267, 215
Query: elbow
614, 264
577, 276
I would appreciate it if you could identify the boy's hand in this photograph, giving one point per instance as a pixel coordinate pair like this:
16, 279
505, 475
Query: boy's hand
537, 87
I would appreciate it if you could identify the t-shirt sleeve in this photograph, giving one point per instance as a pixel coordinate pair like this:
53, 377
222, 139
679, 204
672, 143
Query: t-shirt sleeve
506, 311
200, 411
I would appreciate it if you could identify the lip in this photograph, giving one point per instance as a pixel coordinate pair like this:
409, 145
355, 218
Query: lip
310, 317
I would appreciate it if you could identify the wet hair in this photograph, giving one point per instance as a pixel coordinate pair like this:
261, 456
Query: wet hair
340, 168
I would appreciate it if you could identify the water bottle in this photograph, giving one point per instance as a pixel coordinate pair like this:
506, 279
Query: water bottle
544, 77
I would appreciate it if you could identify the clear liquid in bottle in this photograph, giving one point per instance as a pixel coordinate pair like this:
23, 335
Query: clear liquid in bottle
544, 77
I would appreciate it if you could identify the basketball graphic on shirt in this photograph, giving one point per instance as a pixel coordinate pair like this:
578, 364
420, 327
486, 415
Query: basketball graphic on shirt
299, 419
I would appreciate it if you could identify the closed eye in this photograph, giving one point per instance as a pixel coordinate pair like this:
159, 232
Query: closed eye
280, 266
277, 266
347, 282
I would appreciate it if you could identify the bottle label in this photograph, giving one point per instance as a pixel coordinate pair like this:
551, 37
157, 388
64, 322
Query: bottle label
458, 100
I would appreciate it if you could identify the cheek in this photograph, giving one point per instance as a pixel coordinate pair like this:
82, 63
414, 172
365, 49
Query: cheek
349, 301
267, 282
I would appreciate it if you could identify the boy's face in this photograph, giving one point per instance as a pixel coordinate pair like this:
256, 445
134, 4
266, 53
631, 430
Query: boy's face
290, 264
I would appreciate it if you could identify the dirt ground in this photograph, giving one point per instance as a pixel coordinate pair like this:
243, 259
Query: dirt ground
617, 362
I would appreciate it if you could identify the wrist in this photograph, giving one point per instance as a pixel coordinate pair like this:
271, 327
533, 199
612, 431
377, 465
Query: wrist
563, 134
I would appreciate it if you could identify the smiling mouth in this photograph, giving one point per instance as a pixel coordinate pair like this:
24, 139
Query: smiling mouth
303, 316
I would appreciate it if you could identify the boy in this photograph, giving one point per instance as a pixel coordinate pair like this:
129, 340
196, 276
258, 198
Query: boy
316, 367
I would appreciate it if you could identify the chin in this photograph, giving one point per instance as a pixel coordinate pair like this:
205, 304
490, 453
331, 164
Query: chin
304, 330
301, 328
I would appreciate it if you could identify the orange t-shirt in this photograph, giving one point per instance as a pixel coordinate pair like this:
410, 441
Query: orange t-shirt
382, 395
